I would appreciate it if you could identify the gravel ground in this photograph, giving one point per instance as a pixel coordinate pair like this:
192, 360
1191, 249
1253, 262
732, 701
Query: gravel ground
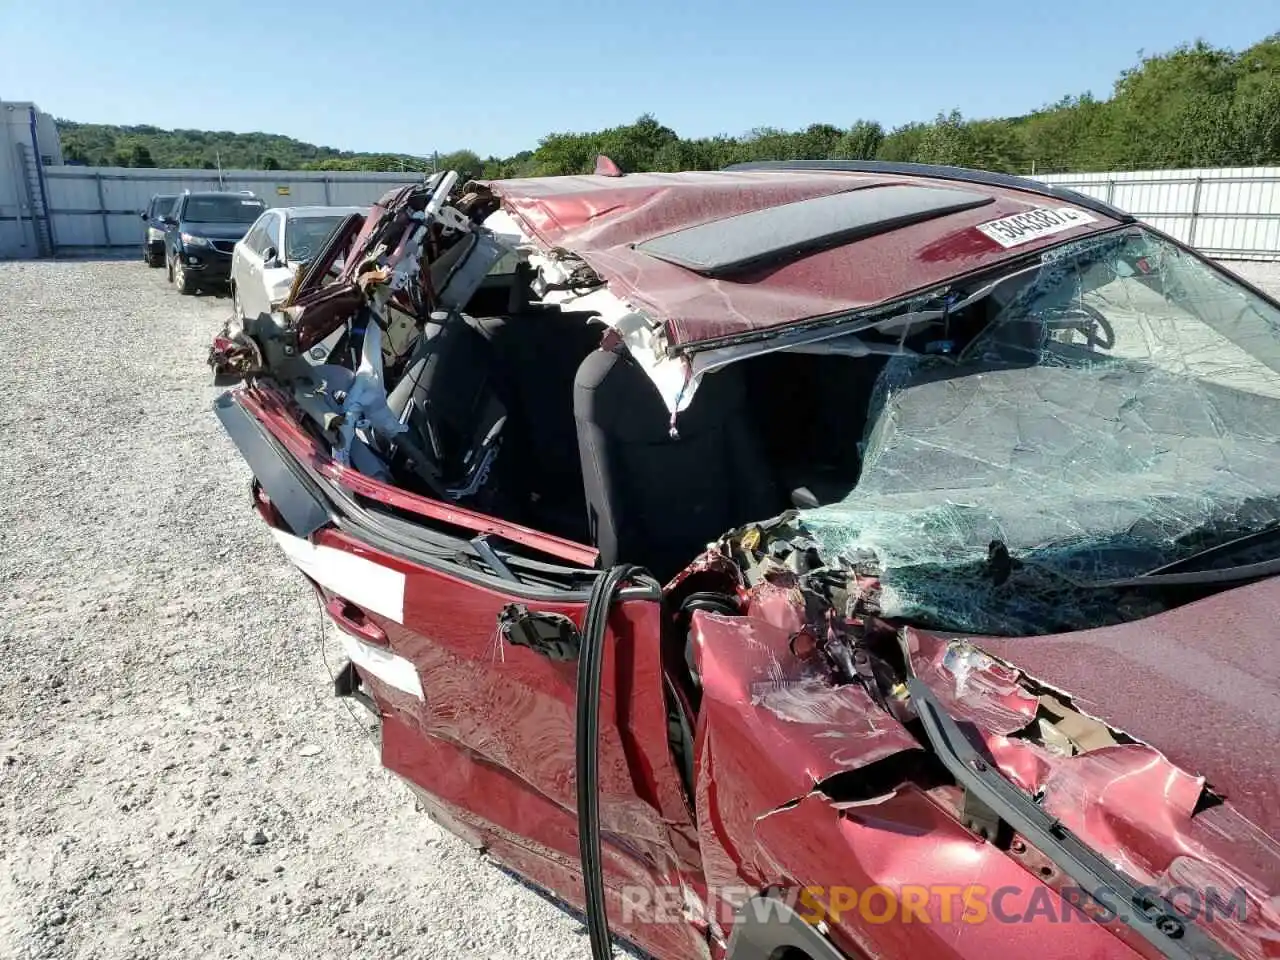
1264, 275
175, 778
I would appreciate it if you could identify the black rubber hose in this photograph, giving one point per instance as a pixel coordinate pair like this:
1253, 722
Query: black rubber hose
587, 749
711, 602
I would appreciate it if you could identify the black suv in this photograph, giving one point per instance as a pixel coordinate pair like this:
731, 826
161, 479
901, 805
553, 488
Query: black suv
153, 218
201, 231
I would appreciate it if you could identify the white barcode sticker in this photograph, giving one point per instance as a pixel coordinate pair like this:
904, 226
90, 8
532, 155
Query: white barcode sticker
1042, 222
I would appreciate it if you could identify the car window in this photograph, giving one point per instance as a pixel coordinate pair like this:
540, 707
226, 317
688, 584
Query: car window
230, 208
306, 236
1136, 298
275, 232
256, 238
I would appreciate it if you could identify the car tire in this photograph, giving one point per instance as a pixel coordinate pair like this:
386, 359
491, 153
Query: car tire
152, 259
168, 262
237, 313
183, 280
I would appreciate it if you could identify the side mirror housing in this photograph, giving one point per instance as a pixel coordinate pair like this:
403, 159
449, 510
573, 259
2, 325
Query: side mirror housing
269, 256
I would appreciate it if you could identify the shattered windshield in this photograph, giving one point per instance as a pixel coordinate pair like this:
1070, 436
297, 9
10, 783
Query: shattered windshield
1112, 412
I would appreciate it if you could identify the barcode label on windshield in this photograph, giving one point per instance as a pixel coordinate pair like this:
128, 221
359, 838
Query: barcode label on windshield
1042, 222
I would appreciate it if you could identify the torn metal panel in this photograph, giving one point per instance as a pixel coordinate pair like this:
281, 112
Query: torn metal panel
1126, 799
1201, 683
771, 727
780, 724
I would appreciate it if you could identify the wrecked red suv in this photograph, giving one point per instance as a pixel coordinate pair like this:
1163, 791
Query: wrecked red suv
802, 559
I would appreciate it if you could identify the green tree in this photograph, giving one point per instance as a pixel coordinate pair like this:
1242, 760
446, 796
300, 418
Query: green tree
946, 141
902, 144
466, 162
859, 142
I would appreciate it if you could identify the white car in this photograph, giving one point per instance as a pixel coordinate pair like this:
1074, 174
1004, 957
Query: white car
264, 263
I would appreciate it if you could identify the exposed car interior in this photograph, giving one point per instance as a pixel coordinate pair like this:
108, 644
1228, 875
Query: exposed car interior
578, 441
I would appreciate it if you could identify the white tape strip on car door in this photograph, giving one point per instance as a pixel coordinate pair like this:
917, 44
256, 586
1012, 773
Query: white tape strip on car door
391, 669
388, 667
363, 582
366, 584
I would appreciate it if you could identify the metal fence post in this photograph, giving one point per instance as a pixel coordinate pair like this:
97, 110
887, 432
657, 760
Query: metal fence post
328, 202
1195, 211
1111, 191
102, 207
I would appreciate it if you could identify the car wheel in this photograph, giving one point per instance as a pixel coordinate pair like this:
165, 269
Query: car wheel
184, 281
169, 267
236, 312
152, 259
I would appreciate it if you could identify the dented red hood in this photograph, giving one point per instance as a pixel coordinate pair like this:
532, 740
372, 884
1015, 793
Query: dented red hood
1201, 683
1198, 688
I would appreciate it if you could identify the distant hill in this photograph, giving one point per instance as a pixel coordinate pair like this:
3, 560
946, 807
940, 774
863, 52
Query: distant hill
1195, 106
101, 144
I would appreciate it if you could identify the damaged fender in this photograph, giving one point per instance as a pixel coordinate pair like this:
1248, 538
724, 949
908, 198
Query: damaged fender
810, 787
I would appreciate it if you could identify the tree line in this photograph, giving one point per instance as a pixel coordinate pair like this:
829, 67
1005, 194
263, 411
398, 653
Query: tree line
1194, 106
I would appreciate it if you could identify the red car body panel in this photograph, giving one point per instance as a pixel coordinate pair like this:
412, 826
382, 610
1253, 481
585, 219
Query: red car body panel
1202, 682
602, 218
1131, 802
773, 738
771, 735
490, 747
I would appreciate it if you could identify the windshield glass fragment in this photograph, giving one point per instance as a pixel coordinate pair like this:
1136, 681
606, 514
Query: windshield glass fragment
1111, 412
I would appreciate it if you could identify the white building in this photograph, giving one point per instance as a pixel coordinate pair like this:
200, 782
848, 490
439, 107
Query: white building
28, 143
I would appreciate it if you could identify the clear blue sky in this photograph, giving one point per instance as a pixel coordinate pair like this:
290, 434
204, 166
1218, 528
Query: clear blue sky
404, 76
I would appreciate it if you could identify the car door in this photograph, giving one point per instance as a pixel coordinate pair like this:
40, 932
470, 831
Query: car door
276, 272
170, 221
242, 259
249, 284
467, 658
491, 743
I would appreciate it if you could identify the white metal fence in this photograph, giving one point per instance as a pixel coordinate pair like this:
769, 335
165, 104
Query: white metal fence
96, 209
1229, 214
1226, 213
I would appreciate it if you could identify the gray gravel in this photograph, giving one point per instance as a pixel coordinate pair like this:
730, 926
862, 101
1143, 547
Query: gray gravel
175, 778
1264, 275
163, 691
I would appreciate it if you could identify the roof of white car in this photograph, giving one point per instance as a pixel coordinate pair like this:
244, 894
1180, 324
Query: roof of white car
320, 211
